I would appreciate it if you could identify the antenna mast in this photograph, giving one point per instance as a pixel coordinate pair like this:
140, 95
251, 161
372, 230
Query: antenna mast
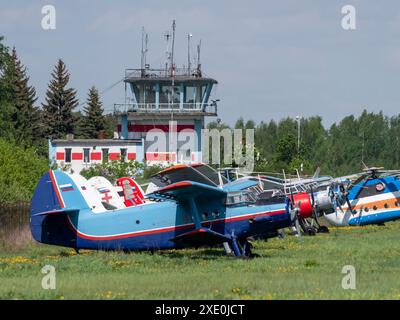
172, 50
198, 58
145, 40
189, 36
167, 35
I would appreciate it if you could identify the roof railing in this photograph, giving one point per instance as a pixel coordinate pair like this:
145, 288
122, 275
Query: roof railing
161, 73
210, 108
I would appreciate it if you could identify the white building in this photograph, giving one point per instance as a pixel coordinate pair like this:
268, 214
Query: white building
79, 154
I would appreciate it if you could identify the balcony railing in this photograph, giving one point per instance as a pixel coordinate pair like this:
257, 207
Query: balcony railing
161, 73
210, 108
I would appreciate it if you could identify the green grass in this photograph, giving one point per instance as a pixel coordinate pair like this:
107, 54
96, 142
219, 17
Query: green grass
286, 269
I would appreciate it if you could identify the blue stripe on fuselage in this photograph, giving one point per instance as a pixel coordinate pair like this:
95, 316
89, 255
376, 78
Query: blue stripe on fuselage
379, 217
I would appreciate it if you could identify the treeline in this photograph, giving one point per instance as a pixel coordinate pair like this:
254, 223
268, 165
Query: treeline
372, 138
26, 123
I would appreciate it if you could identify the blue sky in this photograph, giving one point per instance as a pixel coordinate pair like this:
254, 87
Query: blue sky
272, 58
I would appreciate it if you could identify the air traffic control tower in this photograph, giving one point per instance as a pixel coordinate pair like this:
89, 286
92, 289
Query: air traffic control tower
158, 96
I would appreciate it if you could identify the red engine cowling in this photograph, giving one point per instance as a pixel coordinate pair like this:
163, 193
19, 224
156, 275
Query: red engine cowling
303, 200
133, 195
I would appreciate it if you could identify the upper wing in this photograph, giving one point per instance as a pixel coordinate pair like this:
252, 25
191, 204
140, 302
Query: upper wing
187, 189
200, 173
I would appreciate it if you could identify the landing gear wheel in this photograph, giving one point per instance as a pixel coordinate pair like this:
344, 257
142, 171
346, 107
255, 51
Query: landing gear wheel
242, 248
307, 227
323, 229
311, 231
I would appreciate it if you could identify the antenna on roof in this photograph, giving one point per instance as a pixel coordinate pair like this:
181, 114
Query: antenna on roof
145, 40
189, 36
167, 36
172, 50
198, 58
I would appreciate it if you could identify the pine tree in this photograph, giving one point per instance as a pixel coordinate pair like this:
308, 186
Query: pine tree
60, 103
94, 120
25, 115
6, 106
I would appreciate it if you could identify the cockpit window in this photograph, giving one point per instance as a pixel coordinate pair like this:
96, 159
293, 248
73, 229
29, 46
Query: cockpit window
108, 206
371, 190
240, 197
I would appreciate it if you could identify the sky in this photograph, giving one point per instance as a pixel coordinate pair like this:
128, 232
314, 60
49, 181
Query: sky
272, 59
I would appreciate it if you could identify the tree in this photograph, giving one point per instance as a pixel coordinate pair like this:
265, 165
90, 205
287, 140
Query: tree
6, 106
20, 170
25, 114
60, 103
93, 121
286, 149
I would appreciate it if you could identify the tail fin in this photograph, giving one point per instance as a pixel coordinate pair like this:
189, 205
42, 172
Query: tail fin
56, 196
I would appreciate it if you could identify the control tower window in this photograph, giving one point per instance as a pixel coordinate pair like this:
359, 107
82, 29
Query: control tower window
190, 94
203, 91
149, 94
170, 95
176, 96
165, 94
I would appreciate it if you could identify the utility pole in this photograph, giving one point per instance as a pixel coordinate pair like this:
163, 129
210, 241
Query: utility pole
363, 146
298, 118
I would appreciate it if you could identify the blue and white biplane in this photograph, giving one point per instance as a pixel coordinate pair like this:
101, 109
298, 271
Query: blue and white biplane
68, 211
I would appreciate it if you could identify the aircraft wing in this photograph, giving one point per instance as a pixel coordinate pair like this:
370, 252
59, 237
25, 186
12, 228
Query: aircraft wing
200, 237
200, 173
187, 189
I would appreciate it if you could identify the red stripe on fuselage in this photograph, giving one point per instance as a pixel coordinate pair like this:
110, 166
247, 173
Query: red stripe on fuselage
167, 229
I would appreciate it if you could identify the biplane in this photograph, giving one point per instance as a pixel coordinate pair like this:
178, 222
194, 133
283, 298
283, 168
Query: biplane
267, 190
67, 210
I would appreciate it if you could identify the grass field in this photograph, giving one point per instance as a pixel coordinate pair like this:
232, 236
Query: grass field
286, 269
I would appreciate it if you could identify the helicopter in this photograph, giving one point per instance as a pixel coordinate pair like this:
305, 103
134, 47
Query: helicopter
372, 198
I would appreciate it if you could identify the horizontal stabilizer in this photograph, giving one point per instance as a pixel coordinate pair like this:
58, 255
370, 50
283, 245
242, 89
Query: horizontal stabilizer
200, 237
55, 212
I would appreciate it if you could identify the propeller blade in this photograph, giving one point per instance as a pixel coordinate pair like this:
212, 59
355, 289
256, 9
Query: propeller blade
340, 207
349, 205
291, 198
358, 180
298, 230
312, 196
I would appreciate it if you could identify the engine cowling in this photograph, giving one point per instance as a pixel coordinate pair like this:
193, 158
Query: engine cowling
303, 201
